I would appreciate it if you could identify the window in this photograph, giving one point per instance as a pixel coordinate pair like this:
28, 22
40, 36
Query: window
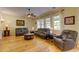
40, 23
57, 23
47, 23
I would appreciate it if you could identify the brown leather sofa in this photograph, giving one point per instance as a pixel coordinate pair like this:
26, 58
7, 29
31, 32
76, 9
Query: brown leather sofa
67, 40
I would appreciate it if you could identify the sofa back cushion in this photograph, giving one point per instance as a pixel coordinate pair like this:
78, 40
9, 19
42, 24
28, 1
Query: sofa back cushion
46, 30
70, 34
21, 31
24, 30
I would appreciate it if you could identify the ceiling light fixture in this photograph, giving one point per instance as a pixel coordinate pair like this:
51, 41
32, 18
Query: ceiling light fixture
30, 14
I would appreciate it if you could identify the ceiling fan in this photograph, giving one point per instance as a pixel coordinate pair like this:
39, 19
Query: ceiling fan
30, 14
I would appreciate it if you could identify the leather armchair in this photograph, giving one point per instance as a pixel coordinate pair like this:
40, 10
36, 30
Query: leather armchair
67, 40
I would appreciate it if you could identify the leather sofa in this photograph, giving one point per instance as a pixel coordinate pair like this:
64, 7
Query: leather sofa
21, 31
66, 41
42, 32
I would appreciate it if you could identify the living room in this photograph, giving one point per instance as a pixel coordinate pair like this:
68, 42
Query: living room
54, 18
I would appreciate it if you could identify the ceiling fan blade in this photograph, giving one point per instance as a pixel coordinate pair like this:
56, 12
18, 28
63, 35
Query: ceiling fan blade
30, 14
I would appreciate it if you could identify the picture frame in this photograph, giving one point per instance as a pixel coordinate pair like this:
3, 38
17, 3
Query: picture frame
20, 23
70, 20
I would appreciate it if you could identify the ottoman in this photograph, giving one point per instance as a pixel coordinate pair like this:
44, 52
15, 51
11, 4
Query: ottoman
28, 36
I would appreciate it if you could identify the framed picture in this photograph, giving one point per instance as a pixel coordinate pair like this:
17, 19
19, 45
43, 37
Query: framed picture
69, 20
20, 23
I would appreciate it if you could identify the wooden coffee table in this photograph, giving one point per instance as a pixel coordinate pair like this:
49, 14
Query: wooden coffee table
28, 36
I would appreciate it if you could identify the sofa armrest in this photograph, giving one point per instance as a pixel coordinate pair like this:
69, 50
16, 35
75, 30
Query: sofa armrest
58, 40
44, 32
57, 36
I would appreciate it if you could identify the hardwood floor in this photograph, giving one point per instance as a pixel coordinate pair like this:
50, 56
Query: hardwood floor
18, 44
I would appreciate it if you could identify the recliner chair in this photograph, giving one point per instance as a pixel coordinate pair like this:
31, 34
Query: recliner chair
67, 40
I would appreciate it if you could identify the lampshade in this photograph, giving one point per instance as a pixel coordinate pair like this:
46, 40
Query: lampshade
51, 30
32, 28
2, 20
6, 25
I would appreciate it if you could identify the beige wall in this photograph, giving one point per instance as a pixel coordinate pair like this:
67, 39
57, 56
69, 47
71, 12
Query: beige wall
67, 12
11, 21
72, 11
29, 23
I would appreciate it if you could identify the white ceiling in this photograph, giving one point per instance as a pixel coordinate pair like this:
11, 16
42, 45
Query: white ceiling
21, 11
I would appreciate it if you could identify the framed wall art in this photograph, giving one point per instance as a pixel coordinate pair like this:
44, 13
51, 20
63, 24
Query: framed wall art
70, 20
20, 23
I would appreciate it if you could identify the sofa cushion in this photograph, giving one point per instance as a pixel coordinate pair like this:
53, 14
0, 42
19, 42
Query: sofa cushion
70, 34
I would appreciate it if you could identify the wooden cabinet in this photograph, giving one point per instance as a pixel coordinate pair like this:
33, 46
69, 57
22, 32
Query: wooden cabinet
6, 32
